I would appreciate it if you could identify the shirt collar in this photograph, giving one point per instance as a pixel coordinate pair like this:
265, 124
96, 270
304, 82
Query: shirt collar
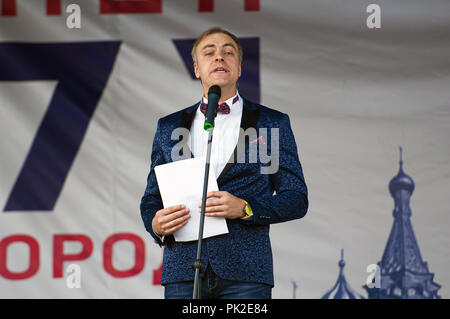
230, 101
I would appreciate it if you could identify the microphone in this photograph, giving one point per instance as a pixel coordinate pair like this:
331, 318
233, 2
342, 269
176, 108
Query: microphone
214, 93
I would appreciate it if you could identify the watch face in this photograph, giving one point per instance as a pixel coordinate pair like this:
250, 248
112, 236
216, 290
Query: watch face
246, 210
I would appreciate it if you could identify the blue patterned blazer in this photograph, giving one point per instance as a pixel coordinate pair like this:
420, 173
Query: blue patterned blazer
244, 254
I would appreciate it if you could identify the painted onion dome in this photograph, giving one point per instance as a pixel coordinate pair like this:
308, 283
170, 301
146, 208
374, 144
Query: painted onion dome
401, 181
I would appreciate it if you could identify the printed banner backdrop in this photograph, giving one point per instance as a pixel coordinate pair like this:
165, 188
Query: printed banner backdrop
79, 108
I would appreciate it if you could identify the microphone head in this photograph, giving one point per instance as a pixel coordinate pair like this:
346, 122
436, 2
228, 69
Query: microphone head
215, 89
214, 93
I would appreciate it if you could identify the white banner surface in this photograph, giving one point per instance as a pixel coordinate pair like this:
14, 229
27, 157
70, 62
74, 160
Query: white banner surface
82, 88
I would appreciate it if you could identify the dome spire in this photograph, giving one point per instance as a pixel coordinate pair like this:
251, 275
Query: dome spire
341, 289
341, 263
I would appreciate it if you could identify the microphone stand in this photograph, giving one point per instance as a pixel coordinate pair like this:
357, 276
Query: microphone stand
198, 263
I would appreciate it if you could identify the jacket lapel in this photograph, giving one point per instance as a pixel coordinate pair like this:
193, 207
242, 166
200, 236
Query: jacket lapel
186, 122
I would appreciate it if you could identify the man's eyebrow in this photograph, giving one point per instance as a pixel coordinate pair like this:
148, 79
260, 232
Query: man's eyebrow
213, 45
208, 46
229, 45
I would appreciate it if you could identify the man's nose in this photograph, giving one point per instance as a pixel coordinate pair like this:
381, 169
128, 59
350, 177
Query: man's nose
219, 57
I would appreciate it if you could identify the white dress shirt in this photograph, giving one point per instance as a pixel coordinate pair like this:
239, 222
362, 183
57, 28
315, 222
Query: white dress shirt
225, 135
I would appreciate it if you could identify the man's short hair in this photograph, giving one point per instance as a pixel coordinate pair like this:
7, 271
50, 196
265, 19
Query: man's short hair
212, 31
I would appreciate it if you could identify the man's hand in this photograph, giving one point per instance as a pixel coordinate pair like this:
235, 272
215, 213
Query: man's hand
168, 220
224, 205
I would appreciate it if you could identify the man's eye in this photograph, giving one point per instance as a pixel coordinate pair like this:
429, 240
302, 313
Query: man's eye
208, 53
229, 53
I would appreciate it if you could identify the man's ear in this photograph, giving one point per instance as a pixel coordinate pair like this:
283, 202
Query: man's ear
240, 70
197, 73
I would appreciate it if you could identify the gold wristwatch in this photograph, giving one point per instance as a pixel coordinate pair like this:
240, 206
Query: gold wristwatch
247, 210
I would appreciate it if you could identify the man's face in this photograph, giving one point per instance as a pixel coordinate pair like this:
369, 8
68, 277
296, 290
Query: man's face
218, 61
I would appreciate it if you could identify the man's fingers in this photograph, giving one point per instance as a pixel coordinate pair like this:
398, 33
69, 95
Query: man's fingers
212, 209
216, 214
215, 194
214, 202
211, 202
172, 209
170, 219
175, 228
177, 221
176, 224
166, 219
177, 214
218, 198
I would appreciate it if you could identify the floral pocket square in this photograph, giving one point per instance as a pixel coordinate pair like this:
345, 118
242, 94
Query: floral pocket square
259, 140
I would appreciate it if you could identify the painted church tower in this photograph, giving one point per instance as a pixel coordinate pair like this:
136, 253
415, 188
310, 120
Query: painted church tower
403, 273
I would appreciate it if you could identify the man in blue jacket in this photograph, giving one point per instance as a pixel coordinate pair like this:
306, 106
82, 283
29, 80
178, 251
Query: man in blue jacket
251, 195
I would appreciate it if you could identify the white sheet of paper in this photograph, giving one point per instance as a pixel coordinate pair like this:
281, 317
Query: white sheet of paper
181, 182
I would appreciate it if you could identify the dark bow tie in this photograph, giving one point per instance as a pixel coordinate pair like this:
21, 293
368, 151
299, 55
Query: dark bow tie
223, 108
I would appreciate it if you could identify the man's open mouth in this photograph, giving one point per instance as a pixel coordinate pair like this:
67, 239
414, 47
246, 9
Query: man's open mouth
220, 69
